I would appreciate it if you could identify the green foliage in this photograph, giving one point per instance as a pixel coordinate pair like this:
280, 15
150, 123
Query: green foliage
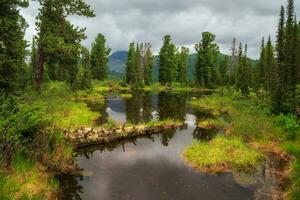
13, 68
19, 123
139, 65
58, 40
289, 122
84, 76
167, 61
207, 52
182, 61
99, 58
222, 154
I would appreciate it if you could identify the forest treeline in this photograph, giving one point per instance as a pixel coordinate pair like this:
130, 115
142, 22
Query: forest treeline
57, 54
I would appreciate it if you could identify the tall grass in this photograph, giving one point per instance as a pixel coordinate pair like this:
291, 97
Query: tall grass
221, 154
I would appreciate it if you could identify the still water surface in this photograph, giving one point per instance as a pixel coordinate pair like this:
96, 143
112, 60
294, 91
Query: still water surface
151, 168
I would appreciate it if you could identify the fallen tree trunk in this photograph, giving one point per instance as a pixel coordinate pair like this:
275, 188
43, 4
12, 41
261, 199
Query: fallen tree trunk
96, 136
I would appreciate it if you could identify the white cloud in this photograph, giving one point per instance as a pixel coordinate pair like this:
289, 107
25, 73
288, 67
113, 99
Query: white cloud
148, 21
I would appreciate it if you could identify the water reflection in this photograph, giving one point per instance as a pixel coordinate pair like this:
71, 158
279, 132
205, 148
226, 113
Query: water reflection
148, 167
172, 106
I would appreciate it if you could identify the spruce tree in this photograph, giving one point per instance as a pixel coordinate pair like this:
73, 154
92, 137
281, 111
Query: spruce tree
138, 82
290, 59
207, 52
167, 61
58, 40
183, 57
148, 80
130, 64
99, 58
12, 44
84, 79
270, 70
260, 74
280, 70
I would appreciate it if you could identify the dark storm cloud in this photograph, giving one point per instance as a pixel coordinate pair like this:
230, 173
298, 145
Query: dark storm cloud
123, 21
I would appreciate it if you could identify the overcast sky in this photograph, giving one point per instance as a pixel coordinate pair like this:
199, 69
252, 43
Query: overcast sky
123, 21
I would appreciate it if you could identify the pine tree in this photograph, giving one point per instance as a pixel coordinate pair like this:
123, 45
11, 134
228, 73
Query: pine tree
148, 66
183, 57
270, 72
243, 72
280, 70
167, 61
260, 74
84, 79
12, 44
130, 76
58, 40
138, 82
207, 52
99, 58
290, 59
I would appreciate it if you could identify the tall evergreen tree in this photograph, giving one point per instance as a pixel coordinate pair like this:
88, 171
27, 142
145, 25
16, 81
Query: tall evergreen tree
167, 61
243, 82
290, 59
12, 43
207, 52
183, 57
130, 76
84, 79
270, 70
138, 81
99, 58
148, 66
280, 70
260, 74
58, 40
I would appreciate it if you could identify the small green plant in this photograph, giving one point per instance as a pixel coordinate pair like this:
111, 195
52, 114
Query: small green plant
289, 122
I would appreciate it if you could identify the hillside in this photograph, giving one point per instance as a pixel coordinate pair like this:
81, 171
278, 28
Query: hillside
117, 65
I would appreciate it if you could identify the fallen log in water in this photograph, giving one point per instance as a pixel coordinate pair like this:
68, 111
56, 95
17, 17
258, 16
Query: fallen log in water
96, 136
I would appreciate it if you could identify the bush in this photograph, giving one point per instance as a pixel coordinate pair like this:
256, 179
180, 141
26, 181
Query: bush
18, 124
289, 122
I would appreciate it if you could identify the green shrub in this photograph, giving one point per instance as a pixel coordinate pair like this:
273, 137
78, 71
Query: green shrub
289, 122
18, 124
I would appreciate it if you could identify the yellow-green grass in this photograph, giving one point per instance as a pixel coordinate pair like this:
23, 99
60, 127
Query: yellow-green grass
63, 107
249, 120
27, 180
126, 96
218, 123
222, 154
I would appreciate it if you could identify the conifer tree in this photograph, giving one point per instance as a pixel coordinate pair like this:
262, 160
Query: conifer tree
130, 64
99, 58
58, 40
183, 57
138, 82
12, 43
167, 61
260, 74
84, 80
290, 59
244, 71
270, 70
207, 52
148, 66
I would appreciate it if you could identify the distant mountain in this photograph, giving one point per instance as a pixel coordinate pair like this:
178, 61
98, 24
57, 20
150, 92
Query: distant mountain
117, 65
